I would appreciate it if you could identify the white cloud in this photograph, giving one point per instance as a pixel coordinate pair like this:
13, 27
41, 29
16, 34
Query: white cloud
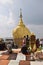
6, 1
3, 20
11, 21
7, 24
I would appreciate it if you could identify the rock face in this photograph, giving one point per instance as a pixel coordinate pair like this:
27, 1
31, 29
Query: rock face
20, 31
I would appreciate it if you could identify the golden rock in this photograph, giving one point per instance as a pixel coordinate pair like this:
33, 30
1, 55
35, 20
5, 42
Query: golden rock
21, 30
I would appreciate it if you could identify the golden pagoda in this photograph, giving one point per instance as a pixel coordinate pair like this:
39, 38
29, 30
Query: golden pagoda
20, 31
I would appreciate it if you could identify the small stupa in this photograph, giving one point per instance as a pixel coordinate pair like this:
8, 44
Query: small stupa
20, 31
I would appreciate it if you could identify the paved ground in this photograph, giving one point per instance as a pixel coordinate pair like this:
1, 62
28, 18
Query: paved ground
16, 58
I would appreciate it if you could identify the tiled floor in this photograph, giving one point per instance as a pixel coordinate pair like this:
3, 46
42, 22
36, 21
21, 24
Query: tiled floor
11, 59
24, 62
16, 58
36, 62
4, 62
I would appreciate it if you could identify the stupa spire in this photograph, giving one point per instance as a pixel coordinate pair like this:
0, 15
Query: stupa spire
21, 21
20, 13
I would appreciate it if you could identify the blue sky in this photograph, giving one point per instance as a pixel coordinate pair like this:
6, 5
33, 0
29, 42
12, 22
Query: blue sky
32, 11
